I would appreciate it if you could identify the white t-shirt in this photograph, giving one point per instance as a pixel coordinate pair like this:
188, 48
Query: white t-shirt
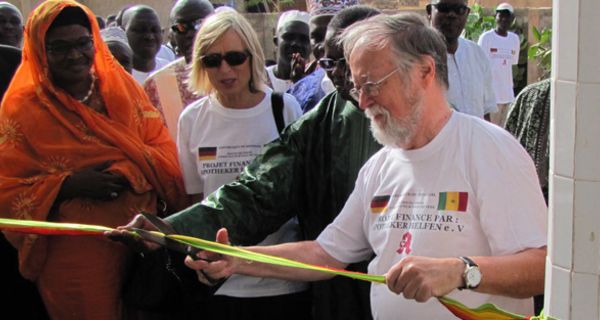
471, 191
214, 145
166, 54
470, 78
503, 53
278, 85
141, 76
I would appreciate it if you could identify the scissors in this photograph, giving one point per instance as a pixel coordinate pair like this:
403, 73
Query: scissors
171, 244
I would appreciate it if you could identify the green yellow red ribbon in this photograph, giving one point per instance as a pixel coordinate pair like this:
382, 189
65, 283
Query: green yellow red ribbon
485, 311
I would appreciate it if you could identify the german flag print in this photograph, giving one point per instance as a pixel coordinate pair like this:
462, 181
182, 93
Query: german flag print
379, 204
207, 153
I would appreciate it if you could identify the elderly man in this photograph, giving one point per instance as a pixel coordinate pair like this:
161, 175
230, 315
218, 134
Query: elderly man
502, 48
142, 26
451, 202
469, 72
292, 38
11, 25
167, 88
309, 173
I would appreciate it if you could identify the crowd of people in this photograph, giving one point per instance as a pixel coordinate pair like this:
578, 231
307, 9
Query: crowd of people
367, 145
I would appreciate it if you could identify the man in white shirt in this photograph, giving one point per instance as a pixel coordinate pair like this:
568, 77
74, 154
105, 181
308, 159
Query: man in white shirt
291, 37
451, 202
469, 72
144, 34
502, 48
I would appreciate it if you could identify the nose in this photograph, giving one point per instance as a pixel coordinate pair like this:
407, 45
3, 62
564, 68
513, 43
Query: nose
74, 53
224, 67
364, 101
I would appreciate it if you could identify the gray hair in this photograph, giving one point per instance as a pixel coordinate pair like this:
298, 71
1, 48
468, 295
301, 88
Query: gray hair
406, 34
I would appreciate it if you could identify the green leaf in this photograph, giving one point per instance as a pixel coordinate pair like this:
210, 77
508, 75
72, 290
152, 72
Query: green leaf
536, 33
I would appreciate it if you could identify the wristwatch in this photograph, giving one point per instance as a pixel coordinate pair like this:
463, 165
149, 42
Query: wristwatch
471, 275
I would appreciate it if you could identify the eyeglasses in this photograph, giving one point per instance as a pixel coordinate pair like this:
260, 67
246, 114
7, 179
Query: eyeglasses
329, 64
185, 27
60, 47
458, 9
233, 58
371, 89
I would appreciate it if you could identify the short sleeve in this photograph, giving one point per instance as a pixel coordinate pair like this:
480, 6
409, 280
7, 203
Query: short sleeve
187, 158
513, 212
345, 238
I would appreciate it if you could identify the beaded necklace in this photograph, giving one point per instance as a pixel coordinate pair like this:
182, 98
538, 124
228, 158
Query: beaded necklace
90, 92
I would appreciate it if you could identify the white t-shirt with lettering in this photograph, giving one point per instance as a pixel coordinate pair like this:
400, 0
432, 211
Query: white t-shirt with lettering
471, 191
503, 53
214, 145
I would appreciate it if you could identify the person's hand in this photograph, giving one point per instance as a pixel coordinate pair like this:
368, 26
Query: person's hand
421, 278
124, 235
298, 67
212, 266
93, 183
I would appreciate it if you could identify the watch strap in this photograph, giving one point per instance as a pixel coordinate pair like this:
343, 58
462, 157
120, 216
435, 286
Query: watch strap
469, 263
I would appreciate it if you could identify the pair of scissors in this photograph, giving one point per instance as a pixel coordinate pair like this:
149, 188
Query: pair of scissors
161, 238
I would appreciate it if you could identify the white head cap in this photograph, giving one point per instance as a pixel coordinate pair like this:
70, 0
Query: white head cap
292, 15
114, 34
224, 8
505, 6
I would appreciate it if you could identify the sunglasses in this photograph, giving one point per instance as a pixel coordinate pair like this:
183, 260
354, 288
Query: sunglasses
458, 9
329, 64
62, 47
185, 27
233, 58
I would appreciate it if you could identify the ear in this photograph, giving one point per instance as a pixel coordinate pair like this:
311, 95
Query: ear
428, 9
426, 71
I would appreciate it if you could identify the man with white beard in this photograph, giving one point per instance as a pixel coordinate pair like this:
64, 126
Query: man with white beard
450, 203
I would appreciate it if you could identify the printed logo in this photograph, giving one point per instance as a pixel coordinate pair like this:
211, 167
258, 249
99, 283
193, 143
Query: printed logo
453, 201
207, 153
379, 204
493, 50
405, 243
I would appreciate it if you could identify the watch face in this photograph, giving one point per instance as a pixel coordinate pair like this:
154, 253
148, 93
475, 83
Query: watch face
473, 277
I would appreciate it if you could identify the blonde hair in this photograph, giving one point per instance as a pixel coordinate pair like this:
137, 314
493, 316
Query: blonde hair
212, 29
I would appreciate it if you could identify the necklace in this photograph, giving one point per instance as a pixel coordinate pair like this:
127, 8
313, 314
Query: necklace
90, 92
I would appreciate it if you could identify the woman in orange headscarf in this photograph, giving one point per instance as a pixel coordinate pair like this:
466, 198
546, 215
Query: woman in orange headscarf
81, 143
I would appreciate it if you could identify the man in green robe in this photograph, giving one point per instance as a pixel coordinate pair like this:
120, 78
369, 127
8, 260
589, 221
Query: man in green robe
308, 173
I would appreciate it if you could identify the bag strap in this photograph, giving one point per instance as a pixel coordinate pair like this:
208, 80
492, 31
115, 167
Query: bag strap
277, 106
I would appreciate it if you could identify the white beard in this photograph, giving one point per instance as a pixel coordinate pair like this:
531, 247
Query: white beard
395, 132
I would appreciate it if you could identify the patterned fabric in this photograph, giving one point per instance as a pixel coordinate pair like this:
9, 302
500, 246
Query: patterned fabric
168, 91
308, 91
46, 135
529, 121
319, 7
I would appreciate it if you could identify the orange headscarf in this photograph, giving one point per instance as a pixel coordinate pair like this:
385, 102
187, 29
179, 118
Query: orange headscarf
45, 134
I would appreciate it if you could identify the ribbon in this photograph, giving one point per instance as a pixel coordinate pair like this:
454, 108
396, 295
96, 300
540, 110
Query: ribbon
485, 311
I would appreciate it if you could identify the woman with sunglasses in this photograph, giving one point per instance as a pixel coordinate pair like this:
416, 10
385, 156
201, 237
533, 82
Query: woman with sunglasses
223, 132
80, 143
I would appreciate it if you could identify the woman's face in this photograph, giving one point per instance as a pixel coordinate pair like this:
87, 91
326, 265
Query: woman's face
226, 78
70, 53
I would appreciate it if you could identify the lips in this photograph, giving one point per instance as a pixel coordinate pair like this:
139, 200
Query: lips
228, 82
